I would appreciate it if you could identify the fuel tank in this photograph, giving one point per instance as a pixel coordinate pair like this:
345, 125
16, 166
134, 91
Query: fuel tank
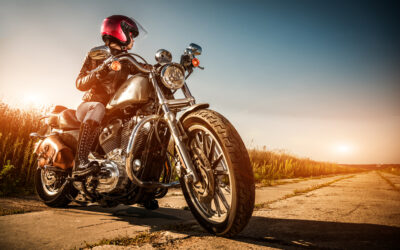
136, 90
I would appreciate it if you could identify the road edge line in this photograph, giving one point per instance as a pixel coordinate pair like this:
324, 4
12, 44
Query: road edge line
297, 192
388, 181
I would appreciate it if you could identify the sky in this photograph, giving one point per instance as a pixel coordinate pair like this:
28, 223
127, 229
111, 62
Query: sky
316, 79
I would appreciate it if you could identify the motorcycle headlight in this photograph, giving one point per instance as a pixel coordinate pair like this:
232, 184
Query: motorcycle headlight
173, 76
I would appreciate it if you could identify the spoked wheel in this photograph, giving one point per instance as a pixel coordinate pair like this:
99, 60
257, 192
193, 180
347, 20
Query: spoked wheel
223, 199
52, 189
212, 195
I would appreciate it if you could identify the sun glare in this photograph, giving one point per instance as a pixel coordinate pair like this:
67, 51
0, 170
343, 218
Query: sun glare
344, 148
33, 99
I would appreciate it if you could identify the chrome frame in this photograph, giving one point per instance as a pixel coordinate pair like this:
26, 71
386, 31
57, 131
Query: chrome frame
169, 118
172, 122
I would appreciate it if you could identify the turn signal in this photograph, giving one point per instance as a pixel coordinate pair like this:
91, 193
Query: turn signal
115, 65
195, 62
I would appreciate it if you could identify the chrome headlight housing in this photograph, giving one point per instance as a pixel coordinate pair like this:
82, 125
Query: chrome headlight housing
173, 76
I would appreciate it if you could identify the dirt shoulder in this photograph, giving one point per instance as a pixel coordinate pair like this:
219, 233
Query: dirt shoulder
22, 204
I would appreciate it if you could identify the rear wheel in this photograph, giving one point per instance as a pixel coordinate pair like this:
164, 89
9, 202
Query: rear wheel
52, 189
223, 200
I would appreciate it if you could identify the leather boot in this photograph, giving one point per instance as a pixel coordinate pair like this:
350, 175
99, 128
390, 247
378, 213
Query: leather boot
88, 134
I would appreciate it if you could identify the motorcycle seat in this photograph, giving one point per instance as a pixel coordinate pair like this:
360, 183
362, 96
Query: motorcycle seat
64, 119
58, 109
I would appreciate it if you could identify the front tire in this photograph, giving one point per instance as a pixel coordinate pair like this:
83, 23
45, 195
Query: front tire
223, 200
53, 192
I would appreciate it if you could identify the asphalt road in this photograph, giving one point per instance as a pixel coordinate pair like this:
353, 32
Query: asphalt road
357, 212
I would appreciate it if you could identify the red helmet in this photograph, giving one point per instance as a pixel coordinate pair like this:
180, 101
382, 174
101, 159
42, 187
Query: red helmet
117, 28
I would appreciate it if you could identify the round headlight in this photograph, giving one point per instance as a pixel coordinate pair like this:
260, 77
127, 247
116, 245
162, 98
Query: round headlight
173, 76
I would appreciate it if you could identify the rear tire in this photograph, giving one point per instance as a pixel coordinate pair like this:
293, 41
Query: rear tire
56, 197
235, 169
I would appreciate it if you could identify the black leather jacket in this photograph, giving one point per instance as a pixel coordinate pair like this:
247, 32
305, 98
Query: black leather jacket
102, 89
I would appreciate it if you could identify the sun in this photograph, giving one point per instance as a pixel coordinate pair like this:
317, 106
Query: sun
33, 99
344, 148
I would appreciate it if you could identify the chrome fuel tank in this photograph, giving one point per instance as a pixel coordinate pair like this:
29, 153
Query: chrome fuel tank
135, 90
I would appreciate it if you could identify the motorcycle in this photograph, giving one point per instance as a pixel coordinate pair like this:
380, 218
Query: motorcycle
150, 142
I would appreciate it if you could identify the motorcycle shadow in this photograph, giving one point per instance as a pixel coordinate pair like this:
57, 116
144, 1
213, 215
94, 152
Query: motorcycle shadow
261, 231
163, 218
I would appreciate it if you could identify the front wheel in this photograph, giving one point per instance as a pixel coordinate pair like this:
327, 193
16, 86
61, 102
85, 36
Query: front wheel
223, 200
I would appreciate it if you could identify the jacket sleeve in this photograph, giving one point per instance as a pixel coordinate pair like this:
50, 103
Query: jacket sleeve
86, 79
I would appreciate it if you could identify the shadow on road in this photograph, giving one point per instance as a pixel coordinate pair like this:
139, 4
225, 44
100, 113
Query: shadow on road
320, 234
155, 219
262, 231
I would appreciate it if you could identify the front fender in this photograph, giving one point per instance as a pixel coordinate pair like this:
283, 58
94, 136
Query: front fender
192, 109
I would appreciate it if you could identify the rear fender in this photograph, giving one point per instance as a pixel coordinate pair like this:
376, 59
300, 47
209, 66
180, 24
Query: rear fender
52, 151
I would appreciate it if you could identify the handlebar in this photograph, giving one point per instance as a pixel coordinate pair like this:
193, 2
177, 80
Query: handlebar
125, 57
101, 66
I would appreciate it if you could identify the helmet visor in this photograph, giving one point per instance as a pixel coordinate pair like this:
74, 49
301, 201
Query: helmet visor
142, 31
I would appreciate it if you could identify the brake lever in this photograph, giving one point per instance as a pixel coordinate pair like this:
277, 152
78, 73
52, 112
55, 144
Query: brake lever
202, 68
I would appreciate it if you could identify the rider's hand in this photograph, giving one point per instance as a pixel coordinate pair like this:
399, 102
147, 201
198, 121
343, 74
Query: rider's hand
103, 72
147, 66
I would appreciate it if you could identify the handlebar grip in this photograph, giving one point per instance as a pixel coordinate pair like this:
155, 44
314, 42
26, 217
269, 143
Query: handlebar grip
101, 66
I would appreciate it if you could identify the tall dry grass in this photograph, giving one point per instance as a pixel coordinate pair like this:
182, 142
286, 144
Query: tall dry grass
269, 166
17, 163
16, 159
395, 169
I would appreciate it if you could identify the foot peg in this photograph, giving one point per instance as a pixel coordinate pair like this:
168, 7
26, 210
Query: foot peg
91, 168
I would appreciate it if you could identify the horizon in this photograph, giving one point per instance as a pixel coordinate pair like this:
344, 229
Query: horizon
318, 80
35, 108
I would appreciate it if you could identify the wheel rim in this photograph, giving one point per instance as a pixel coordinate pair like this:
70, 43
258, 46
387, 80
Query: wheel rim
212, 196
50, 183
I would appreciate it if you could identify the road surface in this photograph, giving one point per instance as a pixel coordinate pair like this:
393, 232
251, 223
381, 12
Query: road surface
360, 211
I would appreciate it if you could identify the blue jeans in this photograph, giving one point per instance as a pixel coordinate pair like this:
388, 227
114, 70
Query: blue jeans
93, 111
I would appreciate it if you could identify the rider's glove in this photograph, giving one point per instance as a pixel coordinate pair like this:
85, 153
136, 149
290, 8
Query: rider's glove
102, 72
147, 66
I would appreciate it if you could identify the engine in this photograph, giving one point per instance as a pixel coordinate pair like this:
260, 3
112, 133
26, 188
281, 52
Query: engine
115, 136
114, 140
111, 179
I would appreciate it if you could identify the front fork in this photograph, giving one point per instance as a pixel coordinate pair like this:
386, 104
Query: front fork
172, 122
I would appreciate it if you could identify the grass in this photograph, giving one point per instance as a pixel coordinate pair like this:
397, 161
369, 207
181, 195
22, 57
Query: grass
4, 211
139, 240
17, 163
392, 170
269, 166
299, 192
157, 239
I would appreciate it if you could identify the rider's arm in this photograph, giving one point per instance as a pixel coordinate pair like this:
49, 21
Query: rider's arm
86, 79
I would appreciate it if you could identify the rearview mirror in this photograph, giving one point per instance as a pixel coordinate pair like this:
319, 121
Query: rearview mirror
100, 53
196, 49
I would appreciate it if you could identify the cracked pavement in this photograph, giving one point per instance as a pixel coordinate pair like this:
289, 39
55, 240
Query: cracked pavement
361, 212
